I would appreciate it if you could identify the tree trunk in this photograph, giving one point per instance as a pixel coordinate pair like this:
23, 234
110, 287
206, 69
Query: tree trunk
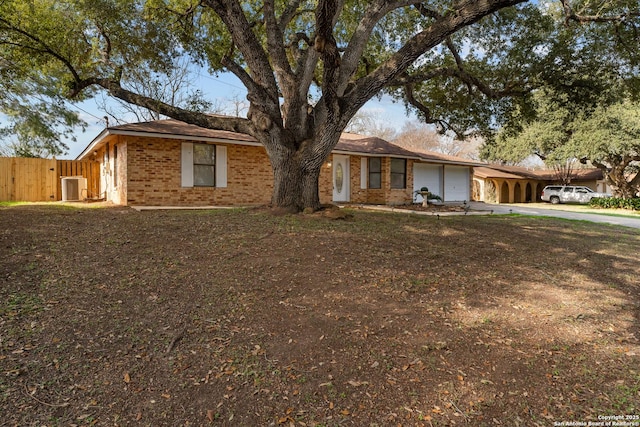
295, 184
296, 162
618, 180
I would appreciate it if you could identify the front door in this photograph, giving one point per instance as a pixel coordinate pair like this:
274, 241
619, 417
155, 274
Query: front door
341, 179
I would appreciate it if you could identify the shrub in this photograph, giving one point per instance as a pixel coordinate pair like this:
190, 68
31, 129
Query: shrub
616, 203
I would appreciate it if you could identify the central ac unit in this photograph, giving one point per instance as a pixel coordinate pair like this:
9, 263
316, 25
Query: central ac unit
74, 188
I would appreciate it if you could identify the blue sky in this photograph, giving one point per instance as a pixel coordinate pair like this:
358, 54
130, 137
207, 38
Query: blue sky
221, 88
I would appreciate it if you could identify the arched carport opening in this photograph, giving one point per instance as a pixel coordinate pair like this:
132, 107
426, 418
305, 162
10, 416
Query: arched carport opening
528, 193
504, 193
517, 193
491, 191
476, 192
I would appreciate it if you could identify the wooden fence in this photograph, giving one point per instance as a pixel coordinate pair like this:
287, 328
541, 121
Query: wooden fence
38, 180
85, 168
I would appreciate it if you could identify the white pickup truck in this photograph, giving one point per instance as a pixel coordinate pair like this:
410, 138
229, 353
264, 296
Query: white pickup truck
569, 194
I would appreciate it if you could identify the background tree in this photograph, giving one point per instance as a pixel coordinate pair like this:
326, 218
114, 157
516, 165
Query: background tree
366, 122
610, 139
562, 134
350, 50
592, 68
416, 135
37, 117
174, 86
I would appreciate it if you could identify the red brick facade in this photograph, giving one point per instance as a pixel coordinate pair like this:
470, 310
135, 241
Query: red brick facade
149, 173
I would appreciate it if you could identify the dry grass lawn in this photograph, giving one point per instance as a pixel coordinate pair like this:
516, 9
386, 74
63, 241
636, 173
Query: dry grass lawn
112, 317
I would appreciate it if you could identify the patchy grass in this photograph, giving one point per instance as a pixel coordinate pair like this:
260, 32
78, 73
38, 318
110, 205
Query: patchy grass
12, 204
116, 317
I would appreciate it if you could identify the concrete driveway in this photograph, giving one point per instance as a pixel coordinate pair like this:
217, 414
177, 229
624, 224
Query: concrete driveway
556, 212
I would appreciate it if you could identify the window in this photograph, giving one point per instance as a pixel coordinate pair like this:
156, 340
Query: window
398, 173
375, 172
204, 165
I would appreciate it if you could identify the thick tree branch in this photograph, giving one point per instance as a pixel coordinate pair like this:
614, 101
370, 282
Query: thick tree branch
352, 54
463, 14
455, 53
635, 182
441, 125
45, 48
106, 52
245, 40
433, 14
326, 45
247, 81
294, 108
512, 89
427, 12
232, 124
275, 44
306, 61
289, 13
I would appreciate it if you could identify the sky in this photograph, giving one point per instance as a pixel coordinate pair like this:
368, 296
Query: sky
221, 89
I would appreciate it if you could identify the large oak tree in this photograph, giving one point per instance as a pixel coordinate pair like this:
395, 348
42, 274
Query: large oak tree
308, 66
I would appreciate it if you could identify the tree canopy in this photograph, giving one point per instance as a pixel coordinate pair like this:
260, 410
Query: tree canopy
37, 117
310, 65
610, 140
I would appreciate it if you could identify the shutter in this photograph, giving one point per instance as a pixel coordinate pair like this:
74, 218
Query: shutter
221, 166
187, 164
363, 173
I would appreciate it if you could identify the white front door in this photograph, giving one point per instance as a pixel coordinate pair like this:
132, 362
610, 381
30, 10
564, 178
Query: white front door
341, 178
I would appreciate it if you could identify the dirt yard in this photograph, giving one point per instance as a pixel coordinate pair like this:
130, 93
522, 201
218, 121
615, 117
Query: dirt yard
112, 317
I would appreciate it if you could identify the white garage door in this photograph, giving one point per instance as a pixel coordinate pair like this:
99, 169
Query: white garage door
426, 175
456, 183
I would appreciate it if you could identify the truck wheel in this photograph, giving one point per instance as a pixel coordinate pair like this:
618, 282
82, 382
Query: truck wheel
554, 200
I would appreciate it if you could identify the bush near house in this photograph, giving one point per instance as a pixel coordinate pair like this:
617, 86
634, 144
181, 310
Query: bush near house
616, 203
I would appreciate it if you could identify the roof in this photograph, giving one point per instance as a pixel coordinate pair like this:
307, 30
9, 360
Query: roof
445, 158
587, 174
177, 128
349, 143
167, 128
487, 172
370, 145
518, 172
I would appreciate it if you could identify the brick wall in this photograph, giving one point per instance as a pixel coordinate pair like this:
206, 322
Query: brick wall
154, 176
325, 183
122, 171
149, 174
381, 196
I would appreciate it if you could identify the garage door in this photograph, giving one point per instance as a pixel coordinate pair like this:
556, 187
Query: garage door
456, 183
426, 175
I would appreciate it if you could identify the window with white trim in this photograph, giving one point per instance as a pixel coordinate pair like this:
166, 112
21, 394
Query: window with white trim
204, 165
